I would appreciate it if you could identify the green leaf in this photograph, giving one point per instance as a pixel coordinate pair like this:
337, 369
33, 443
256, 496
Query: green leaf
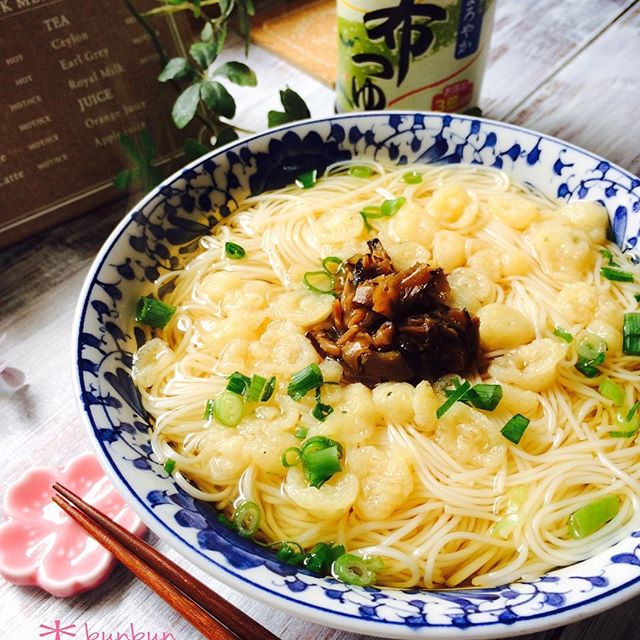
249, 7
217, 98
122, 180
244, 26
225, 136
276, 118
196, 8
237, 72
204, 53
294, 105
176, 69
185, 106
206, 35
295, 108
224, 5
194, 149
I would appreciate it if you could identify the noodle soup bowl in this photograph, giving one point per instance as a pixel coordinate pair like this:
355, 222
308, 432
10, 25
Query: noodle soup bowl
159, 233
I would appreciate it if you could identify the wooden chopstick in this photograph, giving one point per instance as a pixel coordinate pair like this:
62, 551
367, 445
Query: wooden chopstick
211, 614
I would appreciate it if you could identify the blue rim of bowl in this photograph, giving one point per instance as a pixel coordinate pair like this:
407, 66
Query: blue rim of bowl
494, 629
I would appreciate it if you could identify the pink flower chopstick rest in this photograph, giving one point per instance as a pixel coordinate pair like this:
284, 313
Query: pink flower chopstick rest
40, 545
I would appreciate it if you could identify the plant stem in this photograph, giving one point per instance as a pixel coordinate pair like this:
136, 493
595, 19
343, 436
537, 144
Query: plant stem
152, 34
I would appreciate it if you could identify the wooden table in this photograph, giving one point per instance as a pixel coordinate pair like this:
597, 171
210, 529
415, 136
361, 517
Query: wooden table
568, 68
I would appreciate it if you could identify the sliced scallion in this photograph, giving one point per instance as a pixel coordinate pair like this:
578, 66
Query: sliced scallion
234, 251
484, 396
631, 334
290, 457
169, 465
360, 171
456, 395
629, 423
238, 383
612, 391
617, 275
319, 282
320, 458
303, 381
153, 313
246, 519
228, 408
637, 296
322, 556
591, 350
412, 177
352, 569
389, 208
290, 552
268, 389
321, 411
257, 384
593, 516
515, 427
332, 264
307, 179
563, 334
301, 433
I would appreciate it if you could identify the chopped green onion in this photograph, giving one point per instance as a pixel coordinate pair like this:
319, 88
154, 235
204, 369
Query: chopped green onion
456, 395
618, 275
593, 516
563, 334
389, 208
234, 251
591, 350
607, 254
630, 423
257, 384
152, 312
412, 177
319, 282
332, 260
303, 381
208, 410
484, 396
352, 569
322, 556
301, 433
268, 390
320, 459
246, 519
238, 383
321, 411
637, 296
228, 408
611, 391
285, 459
609, 257
320, 465
291, 553
515, 428
631, 334
307, 179
360, 172
169, 465
372, 211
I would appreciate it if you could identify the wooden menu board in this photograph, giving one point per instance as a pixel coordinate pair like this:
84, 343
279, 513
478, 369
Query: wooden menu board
74, 74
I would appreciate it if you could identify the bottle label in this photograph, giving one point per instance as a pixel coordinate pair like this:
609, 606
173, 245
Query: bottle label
403, 54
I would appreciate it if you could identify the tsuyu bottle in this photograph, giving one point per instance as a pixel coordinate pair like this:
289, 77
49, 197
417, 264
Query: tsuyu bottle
406, 54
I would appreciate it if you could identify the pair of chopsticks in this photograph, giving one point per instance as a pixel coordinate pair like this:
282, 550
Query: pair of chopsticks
208, 612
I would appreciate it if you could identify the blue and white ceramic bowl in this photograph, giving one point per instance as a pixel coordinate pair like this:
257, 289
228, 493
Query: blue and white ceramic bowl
164, 227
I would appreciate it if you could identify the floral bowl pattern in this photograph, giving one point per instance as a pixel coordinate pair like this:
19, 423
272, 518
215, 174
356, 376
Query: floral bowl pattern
155, 237
40, 545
